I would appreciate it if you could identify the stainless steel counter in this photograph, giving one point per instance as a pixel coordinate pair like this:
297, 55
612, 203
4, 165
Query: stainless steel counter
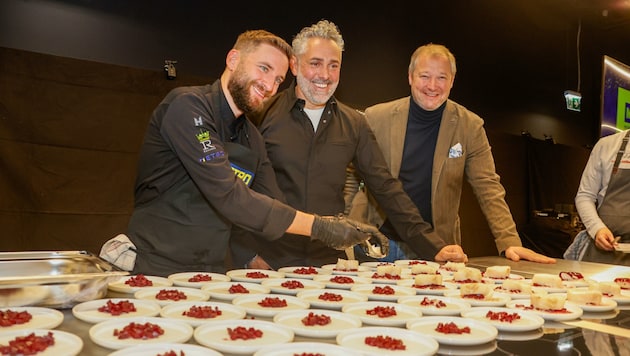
596, 334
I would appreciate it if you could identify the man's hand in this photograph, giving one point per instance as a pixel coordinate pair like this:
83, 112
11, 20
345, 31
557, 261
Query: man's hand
605, 239
516, 253
340, 233
258, 263
453, 253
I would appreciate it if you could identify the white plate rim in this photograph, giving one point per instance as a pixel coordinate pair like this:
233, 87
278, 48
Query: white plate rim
316, 331
459, 303
398, 320
476, 326
180, 279
120, 286
399, 292
41, 318
333, 268
293, 302
305, 346
316, 303
82, 311
574, 311
220, 290
431, 345
239, 275
201, 335
153, 349
184, 332
175, 310
535, 321
608, 304
71, 343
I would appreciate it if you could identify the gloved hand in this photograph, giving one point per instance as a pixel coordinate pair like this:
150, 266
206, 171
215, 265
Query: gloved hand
340, 233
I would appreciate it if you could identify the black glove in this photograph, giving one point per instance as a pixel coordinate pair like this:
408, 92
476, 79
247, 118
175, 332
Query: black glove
340, 233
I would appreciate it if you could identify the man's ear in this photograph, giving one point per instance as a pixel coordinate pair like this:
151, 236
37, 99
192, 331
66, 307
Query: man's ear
231, 61
293, 64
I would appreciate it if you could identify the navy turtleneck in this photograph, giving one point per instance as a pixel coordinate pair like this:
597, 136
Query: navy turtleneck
417, 160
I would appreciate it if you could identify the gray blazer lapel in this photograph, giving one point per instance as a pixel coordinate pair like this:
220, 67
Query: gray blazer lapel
398, 129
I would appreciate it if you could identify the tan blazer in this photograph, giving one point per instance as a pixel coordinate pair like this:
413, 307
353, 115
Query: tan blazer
475, 162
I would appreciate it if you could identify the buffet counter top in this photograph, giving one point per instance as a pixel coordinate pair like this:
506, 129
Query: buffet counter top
609, 330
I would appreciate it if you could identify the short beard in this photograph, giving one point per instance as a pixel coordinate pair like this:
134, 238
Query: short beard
238, 86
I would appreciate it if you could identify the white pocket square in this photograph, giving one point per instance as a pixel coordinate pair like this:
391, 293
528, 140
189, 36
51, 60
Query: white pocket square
455, 151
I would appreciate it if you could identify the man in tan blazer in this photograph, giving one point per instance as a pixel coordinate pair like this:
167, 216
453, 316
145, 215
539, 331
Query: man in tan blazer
431, 143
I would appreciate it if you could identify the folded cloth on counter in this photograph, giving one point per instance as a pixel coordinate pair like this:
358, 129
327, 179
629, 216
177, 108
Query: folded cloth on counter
120, 252
576, 250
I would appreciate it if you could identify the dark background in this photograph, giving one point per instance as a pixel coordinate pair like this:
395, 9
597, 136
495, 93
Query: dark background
79, 79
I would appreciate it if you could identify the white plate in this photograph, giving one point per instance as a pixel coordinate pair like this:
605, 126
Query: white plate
446, 286
369, 290
161, 348
348, 297
41, 318
495, 300
304, 272
454, 306
214, 334
607, 304
521, 335
275, 285
192, 295
467, 350
177, 310
623, 247
241, 275
403, 313
373, 264
221, 290
499, 290
331, 281
526, 322
480, 332
384, 279
174, 331
573, 312
251, 306
88, 311
621, 299
512, 276
549, 289
415, 343
339, 321
299, 348
334, 270
66, 344
182, 279
120, 286
409, 263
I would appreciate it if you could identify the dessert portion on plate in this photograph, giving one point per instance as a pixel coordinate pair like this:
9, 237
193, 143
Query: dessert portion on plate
480, 291
423, 269
467, 275
544, 301
585, 296
428, 281
497, 272
514, 287
623, 282
547, 280
452, 266
346, 265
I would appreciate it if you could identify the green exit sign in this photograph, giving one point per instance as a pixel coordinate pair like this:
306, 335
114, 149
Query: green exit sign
573, 99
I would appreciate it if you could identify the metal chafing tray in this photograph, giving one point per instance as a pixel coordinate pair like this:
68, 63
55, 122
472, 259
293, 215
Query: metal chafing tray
55, 279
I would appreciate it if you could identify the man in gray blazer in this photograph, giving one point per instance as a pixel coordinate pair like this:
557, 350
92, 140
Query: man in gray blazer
430, 143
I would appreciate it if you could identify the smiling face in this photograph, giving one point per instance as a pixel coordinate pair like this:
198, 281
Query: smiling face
256, 76
431, 80
317, 71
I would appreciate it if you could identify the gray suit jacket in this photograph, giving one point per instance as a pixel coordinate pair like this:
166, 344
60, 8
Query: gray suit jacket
459, 127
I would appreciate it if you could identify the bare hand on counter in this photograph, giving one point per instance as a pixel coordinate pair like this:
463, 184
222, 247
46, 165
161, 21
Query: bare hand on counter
453, 253
605, 239
517, 253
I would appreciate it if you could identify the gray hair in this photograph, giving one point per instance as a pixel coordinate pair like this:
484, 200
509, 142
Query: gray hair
430, 50
322, 29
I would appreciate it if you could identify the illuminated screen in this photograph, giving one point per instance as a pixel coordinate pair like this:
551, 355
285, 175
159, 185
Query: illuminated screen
615, 97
